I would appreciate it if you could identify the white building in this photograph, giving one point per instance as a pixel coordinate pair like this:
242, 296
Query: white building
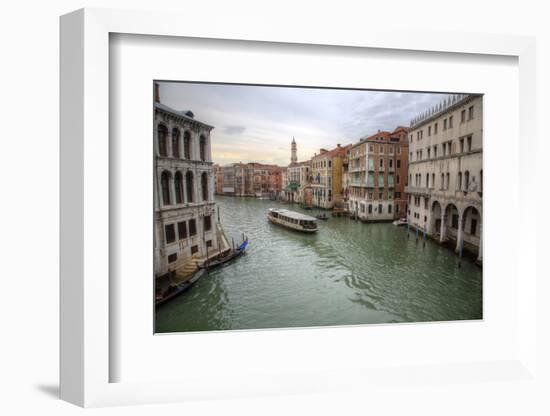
186, 223
446, 172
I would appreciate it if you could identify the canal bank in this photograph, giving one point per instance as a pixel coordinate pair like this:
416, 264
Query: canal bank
346, 273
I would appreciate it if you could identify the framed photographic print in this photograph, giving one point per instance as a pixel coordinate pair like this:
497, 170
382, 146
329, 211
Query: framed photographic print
285, 213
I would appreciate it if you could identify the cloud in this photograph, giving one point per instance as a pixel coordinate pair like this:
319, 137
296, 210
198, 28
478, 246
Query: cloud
257, 123
234, 129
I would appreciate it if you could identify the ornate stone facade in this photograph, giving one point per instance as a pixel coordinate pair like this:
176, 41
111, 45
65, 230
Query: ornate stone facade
446, 172
185, 217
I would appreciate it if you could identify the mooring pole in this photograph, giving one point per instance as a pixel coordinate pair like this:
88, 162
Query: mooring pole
460, 253
408, 231
416, 237
424, 243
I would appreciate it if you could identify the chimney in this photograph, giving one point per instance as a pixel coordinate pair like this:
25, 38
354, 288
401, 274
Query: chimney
338, 145
321, 151
157, 93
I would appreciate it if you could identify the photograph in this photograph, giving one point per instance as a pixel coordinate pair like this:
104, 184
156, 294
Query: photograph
280, 206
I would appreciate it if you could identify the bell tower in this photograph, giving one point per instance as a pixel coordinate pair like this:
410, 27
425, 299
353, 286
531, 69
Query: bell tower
293, 155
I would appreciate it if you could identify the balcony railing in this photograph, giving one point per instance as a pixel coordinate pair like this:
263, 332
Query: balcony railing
417, 190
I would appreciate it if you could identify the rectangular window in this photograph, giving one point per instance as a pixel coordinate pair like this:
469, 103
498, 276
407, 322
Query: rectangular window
471, 113
381, 149
461, 145
435, 151
172, 258
455, 221
463, 116
209, 243
170, 233
194, 249
429, 150
370, 181
192, 227
451, 122
398, 164
435, 128
469, 143
381, 163
380, 181
182, 230
445, 124
429, 130
473, 226
397, 179
207, 223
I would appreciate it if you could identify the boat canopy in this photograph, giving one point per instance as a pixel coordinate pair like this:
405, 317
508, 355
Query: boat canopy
292, 214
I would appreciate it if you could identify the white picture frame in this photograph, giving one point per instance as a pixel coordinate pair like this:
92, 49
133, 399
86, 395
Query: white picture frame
85, 217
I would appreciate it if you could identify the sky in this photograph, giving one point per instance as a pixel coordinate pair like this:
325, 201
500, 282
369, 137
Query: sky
257, 123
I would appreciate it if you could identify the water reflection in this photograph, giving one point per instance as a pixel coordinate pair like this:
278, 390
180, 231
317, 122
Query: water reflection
346, 273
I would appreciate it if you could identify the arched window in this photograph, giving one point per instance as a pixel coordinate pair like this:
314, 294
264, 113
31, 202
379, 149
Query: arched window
448, 180
203, 148
162, 135
442, 181
466, 181
427, 180
204, 186
178, 183
380, 208
187, 145
165, 186
175, 142
189, 186
459, 184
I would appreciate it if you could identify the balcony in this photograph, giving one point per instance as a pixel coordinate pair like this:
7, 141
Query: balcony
418, 190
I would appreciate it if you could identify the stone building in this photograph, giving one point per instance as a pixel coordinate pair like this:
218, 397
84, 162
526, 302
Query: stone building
297, 176
186, 223
446, 172
326, 177
377, 174
218, 179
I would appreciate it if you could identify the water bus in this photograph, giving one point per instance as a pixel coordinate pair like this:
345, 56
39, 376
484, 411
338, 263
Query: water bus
293, 220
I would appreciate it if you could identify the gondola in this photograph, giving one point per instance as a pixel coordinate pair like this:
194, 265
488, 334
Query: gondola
178, 289
233, 254
321, 217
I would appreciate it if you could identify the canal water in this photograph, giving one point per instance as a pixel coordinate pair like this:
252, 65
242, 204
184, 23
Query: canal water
346, 273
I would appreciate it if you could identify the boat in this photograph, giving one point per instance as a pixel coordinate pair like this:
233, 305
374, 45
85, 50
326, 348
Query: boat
293, 220
233, 254
323, 217
178, 289
400, 221
304, 206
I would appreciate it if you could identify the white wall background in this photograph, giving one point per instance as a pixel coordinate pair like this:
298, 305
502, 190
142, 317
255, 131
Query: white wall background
29, 208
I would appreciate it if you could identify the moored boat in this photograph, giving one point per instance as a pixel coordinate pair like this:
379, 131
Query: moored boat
323, 217
233, 254
178, 289
400, 221
293, 220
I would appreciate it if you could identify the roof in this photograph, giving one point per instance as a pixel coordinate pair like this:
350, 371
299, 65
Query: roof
337, 151
182, 114
292, 214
